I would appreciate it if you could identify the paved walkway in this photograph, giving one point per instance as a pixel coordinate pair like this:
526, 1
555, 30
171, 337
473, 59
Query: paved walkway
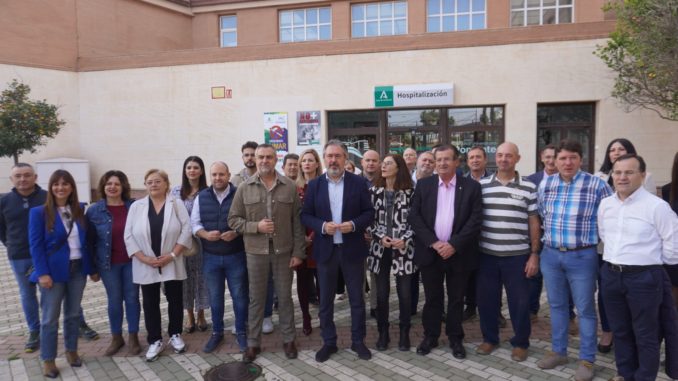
389, 365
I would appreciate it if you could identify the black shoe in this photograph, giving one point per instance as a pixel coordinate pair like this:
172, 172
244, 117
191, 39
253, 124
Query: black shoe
361, 350
86, 332
469, 313
33, 342
604, 348
404, 341
426, 345
458, 350
213, 342
502, 321
383, 340
325, 352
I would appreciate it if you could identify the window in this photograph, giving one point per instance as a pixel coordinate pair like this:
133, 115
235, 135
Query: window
455, 15
229, 31
309, 24
379, 19
541, 12
574, 121
477, 126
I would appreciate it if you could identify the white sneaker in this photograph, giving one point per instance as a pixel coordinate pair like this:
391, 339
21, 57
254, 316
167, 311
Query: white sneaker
177, 343
267, 327
154, 350
233, 331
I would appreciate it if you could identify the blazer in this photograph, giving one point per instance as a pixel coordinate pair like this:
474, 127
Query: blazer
536, 178
402, 259
468, 216
176, 228
356, 207
43, 241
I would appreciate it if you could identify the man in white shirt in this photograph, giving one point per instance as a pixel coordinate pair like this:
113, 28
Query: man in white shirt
640, 232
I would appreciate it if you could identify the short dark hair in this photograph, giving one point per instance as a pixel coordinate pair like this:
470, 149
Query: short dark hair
446, 147
124, 182
481, 148
571, 146
548, 146
289, 156
265, 146
335, 142
641, 162
22, 165
249, 144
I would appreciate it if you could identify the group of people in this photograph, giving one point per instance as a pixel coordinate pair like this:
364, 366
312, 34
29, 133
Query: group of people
404, 217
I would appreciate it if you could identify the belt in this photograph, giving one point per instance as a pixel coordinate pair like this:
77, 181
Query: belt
631, 268
563, 248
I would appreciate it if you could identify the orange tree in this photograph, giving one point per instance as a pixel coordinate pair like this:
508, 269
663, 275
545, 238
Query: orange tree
25, 124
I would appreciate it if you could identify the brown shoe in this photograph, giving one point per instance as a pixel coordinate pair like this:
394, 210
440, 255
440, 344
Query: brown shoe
133, 346
116, 343
49, 369
251, 354
73, 359
519, 354
290, 350
485, 348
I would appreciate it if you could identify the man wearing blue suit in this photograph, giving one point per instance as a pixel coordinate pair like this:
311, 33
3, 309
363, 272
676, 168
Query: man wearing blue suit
337, 207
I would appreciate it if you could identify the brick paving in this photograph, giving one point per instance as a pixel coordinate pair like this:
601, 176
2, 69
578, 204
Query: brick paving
345, 366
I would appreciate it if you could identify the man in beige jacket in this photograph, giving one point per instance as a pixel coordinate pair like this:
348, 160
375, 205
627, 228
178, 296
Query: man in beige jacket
265, 211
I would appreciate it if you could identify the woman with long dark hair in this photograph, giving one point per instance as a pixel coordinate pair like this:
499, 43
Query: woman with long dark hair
392, 247
106, 238
670, 195
311, 167
61, 261
195, 292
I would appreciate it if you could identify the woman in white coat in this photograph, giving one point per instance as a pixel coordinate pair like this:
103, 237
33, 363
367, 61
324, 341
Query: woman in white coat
157, 231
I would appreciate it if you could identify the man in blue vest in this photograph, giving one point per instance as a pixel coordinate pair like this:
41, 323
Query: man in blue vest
223, 255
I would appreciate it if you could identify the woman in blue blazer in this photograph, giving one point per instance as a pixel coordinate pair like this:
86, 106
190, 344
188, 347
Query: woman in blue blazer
57, 236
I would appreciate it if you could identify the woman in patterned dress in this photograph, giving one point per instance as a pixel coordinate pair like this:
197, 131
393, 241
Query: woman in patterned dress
195, 295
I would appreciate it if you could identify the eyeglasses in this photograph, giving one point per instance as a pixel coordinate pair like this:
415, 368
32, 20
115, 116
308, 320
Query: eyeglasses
153, 182
388, 163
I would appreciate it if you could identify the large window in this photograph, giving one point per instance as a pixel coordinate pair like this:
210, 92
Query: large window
379, 19
541, 12
455, 15
310, 24
229, 31
421, 129
574, 121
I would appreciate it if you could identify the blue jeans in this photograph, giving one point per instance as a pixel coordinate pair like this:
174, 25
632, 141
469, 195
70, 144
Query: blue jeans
231, 268
29, 299
70, 294
119, 287
494, 274
575, 272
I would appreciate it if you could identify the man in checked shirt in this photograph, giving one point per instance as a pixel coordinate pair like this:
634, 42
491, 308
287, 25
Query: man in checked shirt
568, 205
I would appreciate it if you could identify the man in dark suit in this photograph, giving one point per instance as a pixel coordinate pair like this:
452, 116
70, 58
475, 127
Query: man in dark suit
337, 207
446, 217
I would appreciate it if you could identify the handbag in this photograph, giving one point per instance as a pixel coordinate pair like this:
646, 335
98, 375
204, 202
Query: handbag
195, 242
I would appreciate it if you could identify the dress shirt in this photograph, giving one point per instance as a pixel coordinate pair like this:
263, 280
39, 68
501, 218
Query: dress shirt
641, 230
196, 224
336, 192
445, 209
568, 210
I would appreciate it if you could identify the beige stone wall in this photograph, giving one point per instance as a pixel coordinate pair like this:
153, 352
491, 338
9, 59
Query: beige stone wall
135, 119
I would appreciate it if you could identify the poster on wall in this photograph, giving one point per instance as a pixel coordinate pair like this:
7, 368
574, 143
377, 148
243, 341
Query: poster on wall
308, 128
275, 134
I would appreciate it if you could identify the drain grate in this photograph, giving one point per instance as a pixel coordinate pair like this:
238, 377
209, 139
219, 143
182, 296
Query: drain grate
233, 371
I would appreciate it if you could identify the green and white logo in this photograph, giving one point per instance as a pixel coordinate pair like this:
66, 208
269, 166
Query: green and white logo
383, 96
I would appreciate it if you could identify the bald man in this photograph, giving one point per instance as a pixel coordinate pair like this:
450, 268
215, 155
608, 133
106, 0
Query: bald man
371, 165
509, 247
224, 257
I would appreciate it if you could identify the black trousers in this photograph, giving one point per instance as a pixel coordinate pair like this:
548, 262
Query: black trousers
456, 279
151, 304
403, 288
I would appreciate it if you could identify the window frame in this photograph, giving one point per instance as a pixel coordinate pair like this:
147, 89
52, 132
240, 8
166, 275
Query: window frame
305, 24
379, 19
563, 130
227, 30
541, 8
440, 16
